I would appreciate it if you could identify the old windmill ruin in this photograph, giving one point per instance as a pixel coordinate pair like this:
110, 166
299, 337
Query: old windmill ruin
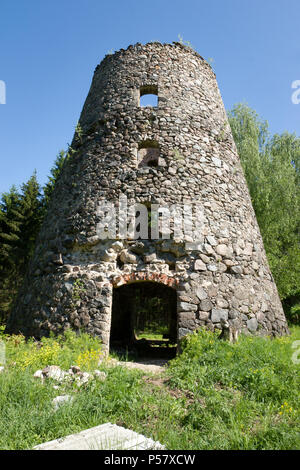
178, 151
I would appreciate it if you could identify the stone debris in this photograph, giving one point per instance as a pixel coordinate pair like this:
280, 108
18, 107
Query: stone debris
82, 378
100, 375
55, 373
60, 400
74, 374
104, 437
38, 374
74, 369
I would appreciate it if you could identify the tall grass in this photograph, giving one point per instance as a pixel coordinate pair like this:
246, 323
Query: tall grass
245, 395
215, 395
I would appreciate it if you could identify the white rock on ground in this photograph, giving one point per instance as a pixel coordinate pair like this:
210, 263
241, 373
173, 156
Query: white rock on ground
60, 400
100, 375
55, 372
73, 374
38, 374
75, 369
83, 378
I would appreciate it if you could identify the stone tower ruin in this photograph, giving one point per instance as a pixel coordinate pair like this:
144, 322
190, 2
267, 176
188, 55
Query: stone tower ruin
180, 151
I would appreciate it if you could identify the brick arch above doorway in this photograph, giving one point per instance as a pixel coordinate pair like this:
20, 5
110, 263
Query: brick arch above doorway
145, 276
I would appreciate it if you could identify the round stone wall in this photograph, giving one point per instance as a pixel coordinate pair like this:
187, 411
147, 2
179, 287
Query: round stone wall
179, 152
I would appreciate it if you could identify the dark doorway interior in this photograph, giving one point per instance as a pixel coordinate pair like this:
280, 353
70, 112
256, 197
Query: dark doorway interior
144, 320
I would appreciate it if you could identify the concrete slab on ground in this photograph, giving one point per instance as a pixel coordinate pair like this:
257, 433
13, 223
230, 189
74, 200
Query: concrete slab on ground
104, 437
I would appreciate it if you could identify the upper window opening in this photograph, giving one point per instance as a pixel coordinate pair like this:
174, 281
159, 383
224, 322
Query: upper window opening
149, 96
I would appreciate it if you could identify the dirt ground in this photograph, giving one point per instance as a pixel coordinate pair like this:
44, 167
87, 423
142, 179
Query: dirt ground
156, 366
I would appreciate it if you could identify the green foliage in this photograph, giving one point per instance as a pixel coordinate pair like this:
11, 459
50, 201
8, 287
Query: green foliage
31, 209
295, 312
221, 136
10, 221
21, 213
78, 288
215, 395
54, 174
60, 160
79, 133
246, 395
272, 169
257, 366
63, 350
177, 155
185, 43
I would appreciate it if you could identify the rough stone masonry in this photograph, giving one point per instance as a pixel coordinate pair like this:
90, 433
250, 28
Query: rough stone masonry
180, 151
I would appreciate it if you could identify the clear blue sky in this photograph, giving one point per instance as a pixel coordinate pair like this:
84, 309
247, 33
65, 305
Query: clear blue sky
49, 50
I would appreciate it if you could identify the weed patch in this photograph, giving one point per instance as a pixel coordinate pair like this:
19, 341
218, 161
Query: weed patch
215, 395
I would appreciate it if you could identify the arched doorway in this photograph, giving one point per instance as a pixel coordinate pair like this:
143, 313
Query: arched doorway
144, 319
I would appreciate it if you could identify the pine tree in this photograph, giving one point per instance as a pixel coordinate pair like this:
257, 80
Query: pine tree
21, 215
55, 172
11, 219
32, 212
20, 219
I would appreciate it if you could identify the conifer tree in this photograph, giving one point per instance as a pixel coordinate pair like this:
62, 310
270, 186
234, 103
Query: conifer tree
54, 174
20, 219
32, 212
10, 231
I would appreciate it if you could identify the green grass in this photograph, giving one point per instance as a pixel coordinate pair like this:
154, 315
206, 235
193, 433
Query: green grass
151, 336
215, 395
